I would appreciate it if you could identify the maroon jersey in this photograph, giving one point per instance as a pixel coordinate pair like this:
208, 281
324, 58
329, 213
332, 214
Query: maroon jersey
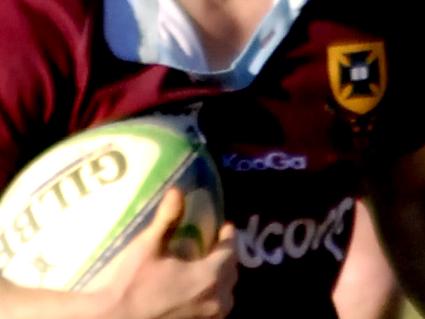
290, 146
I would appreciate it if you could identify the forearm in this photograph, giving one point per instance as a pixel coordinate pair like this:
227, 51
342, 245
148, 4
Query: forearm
23, 303
396, 196
403, 243
365, 264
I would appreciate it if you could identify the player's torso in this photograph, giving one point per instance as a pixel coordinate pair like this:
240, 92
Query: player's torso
287, 147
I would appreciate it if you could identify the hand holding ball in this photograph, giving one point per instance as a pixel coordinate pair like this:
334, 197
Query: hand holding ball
78, 204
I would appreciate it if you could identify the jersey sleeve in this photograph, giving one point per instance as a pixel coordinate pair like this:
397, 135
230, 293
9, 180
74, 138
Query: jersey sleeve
38, 46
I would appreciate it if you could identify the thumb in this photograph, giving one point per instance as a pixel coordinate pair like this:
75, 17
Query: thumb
150, 242
166, 218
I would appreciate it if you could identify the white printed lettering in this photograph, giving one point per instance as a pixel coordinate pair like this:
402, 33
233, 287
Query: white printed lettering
275, 256
292, 248
297, 238
248, 251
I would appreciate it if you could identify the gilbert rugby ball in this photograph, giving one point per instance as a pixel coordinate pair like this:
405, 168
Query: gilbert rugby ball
76, 205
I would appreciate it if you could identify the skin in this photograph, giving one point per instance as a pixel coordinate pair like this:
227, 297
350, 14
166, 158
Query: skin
139, 280
395, 191
354, 295
217, 21
138, 284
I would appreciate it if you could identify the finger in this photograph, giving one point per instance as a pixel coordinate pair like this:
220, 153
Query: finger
165, 221
227, 238
225, 248
143, 246
227, 302
227, 232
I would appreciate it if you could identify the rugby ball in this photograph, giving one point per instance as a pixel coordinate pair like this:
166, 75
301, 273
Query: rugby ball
76, 205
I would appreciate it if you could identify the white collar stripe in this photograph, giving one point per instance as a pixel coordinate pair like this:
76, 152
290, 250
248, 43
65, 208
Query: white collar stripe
159, 32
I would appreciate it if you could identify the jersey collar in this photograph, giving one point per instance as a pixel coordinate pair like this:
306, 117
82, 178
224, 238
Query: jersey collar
158, 32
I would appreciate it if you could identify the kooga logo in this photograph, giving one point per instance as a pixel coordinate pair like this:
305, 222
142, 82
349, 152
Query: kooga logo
279, 161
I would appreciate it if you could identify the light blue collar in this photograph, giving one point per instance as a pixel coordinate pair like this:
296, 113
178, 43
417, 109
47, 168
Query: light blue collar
134, 32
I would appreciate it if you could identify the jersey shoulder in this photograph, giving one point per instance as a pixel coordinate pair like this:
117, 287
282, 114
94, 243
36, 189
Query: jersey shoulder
40, 45
36, 24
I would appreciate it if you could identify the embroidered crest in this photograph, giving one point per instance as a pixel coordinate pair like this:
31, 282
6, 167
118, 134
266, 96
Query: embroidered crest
358, 75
